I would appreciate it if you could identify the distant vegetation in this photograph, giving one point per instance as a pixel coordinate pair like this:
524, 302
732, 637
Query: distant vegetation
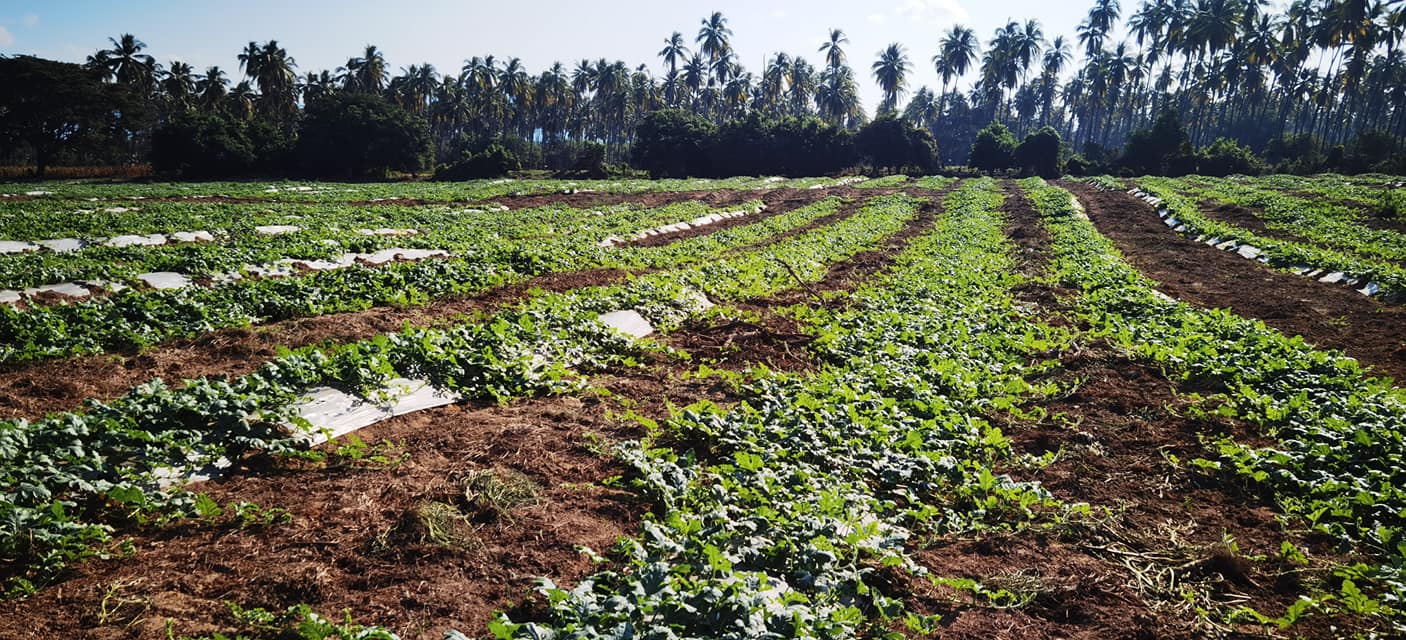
1320, 86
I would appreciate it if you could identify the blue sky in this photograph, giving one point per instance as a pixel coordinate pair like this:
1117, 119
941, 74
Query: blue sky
322, 34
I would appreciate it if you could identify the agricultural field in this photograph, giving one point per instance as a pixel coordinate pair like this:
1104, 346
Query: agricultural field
744, 408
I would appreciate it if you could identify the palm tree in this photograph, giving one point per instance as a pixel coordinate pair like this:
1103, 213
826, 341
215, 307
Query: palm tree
834, 55
315, 86
211, 89
126, 63
366, 73
891, 72
272, 69
241, 100
1057, 56
713, 40
178, 85
695, 73
956, 53
922, 110
673, 51
837, 97
801, 80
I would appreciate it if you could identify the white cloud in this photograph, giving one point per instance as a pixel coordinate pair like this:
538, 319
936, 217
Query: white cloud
877, 18
780, 14
30, 20
934, 11
5, 38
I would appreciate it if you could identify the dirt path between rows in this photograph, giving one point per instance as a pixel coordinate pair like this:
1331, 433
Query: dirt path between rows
777, 203
33, 390
1326, 315
1119, 575
1251, 220
355, 538
716, 197
376, 538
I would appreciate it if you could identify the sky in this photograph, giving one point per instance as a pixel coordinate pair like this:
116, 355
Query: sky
323, 34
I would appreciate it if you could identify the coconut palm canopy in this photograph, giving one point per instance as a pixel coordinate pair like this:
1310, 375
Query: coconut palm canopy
1322, 71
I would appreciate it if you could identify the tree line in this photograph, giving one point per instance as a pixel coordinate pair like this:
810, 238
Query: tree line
1320, 85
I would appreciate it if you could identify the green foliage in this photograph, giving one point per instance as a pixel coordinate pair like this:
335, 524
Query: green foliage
771, 524
1338, 436
492, 161
360, 135
1038, 153
673, 144
1289, 153
890, 144
994, 149
1226, 157
1338, 241
298, 622
59, 109
196, 146
1164, 149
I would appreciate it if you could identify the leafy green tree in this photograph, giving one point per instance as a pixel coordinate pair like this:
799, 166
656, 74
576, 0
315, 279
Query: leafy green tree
1038, 153
53, 108
202, 146
994, 149
1226, 157
1163, 149
673, 144
356, 135
891, 145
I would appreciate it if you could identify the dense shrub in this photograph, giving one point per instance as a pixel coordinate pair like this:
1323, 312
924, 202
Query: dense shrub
1227, 157
994, 149
673, 144
357, 135
1294, 153
493, 161
1164, 149
889, 144
809, 147
202, 146
1038, 153
676, 144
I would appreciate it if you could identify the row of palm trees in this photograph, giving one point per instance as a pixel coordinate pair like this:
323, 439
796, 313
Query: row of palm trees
1327, 68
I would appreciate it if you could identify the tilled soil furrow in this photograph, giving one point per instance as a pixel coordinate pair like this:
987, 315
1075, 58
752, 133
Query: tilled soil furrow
34, 390
1166, 530
1326, 315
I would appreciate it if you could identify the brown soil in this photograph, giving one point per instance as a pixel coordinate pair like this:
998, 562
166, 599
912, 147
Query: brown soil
1248, 219
1330, 316
31, 391
771, 340
846, 276
1120, 574
354, 541
777, 202
1245, 219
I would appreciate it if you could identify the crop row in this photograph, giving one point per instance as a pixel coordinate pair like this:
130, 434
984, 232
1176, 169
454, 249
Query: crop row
470, 191
67, 480
1189, 220
777, 518
541, 241
318, 233
1338, 436
1318, 220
